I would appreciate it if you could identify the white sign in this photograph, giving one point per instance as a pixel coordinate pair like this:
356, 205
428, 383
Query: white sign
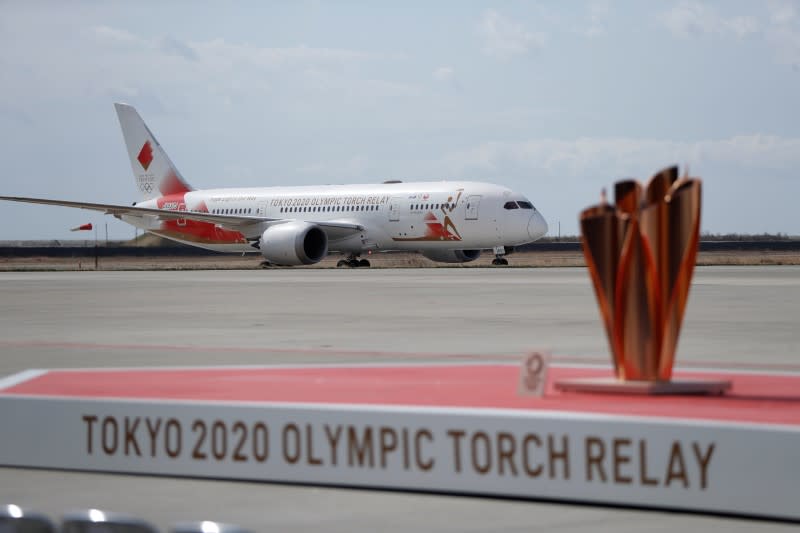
672, 464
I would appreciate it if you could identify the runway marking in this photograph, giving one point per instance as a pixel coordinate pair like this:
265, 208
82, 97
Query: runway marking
21, 377
516, 357
246, 349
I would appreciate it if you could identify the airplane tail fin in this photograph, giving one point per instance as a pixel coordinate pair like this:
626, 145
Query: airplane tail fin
154, 172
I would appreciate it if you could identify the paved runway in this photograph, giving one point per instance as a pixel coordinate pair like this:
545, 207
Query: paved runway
737, 316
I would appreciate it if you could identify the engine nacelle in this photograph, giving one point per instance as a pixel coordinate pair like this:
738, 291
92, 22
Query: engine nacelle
294, 243
452, 256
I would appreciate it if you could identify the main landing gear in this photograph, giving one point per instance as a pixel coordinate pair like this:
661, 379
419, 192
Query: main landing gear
499, 259
352, 262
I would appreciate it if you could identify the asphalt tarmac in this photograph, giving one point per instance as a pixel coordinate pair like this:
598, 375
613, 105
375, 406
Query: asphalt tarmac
737, 317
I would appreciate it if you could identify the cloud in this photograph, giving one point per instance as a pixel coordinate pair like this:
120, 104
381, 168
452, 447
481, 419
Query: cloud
781, 13
598, 13
504, 38
443, 74
98, 60
786, 43
618, 157
170, 45
340, 171
275, 58
11, 114
741, 26
784, 34
220, 50
116, 36
690, 19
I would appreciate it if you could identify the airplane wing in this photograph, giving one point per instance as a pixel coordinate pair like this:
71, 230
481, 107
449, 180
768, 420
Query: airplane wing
242, 223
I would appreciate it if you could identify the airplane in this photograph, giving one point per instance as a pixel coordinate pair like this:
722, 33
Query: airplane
446, 221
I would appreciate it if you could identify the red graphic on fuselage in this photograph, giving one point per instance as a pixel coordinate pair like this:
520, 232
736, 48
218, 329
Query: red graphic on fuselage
435, 230
193, 230
145, 156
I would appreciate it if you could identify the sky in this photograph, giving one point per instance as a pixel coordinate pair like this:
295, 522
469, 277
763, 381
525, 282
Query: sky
556, 100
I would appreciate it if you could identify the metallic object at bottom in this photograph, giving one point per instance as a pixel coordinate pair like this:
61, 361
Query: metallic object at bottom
616, 386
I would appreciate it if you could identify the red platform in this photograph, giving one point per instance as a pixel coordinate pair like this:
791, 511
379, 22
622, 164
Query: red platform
756, 398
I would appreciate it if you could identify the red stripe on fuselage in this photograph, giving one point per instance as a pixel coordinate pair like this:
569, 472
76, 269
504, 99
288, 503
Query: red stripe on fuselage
194, 231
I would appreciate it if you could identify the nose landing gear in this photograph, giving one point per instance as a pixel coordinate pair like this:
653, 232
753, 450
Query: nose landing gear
499, 255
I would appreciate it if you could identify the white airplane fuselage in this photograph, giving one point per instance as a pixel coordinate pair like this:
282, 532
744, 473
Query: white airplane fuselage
413, 216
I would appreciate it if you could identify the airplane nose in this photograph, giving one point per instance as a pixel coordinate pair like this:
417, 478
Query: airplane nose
537, 226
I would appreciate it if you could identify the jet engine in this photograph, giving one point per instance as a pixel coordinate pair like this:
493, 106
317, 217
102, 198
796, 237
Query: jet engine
294, 243
452, 256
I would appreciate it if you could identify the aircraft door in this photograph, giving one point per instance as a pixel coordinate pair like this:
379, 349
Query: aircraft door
472, 207
394, 209
262, 209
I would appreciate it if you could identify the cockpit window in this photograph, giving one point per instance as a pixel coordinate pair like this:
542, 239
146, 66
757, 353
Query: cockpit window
525, 205
510, 205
